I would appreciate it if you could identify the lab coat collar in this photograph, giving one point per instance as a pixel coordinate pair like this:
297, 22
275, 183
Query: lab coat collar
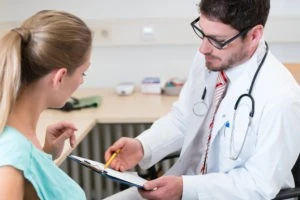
250, 65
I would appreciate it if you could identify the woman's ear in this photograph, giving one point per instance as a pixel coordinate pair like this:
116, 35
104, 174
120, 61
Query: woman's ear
58, 76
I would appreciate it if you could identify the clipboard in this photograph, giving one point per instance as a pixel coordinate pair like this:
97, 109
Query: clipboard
127, 178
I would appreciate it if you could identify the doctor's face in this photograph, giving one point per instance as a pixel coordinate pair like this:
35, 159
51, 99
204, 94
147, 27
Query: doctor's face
230, 55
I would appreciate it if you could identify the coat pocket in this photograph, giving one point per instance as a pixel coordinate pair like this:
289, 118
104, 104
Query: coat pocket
239, 135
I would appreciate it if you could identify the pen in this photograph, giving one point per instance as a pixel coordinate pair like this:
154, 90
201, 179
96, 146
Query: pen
111, 158
227, 124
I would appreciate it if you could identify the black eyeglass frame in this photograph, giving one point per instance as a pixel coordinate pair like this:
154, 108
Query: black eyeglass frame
216, 43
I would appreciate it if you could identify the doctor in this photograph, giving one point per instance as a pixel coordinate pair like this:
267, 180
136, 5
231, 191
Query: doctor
250, 148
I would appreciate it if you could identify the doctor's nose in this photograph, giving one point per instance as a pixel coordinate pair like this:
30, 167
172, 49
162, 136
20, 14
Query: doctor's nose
205, 47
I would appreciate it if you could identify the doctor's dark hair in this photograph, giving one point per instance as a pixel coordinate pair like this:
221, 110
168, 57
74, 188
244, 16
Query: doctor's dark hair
239, 14
46, 41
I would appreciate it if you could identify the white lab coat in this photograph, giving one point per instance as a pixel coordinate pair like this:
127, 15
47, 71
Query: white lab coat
272, 142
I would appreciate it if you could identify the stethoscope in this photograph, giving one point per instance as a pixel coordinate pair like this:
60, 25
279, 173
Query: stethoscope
200, 108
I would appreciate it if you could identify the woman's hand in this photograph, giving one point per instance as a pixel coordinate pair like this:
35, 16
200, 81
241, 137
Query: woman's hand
56, 134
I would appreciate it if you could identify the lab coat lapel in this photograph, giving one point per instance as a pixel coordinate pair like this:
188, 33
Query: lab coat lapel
235, 89
210, 83
196, 122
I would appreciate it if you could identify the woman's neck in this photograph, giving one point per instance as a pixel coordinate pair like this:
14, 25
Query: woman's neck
24, 117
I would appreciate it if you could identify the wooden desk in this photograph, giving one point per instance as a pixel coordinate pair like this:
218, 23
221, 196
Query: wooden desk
137, 108
294, 69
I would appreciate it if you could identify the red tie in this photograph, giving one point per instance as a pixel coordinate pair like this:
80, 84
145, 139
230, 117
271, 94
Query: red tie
221, 86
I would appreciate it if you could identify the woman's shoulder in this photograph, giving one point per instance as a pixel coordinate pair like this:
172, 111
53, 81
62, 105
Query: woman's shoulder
15, 149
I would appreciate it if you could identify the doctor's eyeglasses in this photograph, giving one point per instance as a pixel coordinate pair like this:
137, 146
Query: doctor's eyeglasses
213, 41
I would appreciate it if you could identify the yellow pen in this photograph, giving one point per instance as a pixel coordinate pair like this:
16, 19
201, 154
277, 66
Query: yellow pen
111, 158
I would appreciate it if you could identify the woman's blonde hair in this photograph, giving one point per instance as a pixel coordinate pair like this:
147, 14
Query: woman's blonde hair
47, 40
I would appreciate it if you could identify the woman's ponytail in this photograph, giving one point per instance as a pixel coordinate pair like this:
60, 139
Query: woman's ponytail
10, 73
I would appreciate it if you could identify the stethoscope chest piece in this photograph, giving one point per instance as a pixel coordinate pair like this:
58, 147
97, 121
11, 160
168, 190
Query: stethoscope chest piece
200, 108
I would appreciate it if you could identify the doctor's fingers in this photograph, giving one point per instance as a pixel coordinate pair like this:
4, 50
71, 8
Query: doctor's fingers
124, 144
165, 187
119, 165
112, 149
155, 194
153, 185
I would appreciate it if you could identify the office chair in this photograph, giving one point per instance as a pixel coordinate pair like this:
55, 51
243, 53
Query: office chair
155, 171
292, 192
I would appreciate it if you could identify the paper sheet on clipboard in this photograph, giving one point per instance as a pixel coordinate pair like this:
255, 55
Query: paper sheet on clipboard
127, 178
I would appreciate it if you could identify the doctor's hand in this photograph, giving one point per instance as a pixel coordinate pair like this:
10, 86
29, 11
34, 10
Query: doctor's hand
56, 134
129, 156
165, 187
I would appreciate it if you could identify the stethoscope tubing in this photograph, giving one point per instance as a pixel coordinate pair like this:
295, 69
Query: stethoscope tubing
251, 113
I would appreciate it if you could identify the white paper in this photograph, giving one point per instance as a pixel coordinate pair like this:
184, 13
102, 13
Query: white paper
129, 178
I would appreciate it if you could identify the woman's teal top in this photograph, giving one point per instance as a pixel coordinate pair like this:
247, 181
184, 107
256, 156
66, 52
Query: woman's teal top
48, 180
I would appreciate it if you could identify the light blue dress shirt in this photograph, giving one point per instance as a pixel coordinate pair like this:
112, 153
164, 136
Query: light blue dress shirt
48, 180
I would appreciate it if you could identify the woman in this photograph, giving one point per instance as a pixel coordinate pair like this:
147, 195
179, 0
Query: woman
41, 64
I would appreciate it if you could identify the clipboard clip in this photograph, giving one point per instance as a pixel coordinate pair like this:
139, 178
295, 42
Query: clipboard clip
93, 167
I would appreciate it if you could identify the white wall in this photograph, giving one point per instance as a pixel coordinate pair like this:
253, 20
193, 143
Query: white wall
13, 10
123, 53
